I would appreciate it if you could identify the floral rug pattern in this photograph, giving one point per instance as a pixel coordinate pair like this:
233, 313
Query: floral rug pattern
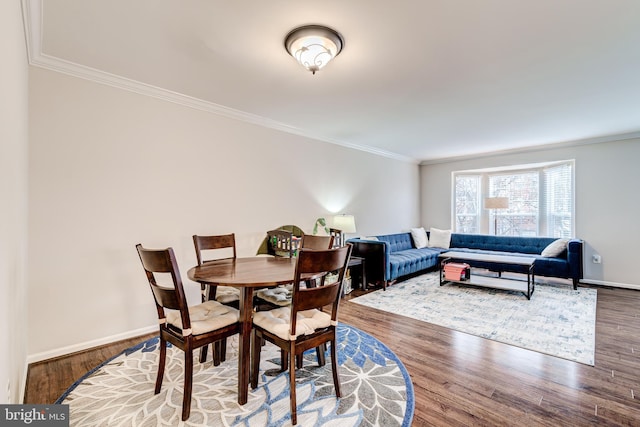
376, 389
558, 320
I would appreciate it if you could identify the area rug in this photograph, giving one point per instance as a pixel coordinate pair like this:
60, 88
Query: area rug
558, 320
376, 389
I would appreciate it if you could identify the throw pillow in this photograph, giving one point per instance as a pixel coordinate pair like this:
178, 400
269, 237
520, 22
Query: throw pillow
439, 238
555, 248
419, 236
374, 238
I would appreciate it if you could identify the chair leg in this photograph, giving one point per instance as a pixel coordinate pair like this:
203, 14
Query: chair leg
320, 354
292, 383
223, 349
255, 358
334, 368
161, 363
188, 383
203, 353
284, 364
216, 353
299, 361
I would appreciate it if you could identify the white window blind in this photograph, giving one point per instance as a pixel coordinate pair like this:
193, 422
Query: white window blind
558, 194
467, 200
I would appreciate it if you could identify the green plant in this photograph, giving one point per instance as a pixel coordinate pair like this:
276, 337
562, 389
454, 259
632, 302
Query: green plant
322, 222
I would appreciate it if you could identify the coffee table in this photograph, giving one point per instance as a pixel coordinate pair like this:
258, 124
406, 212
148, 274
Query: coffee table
499, 263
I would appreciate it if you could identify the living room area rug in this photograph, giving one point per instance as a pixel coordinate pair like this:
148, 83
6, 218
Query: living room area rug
557, 321
376, 389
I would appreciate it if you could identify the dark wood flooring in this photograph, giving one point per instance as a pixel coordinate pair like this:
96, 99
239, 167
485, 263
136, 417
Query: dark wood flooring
463, 380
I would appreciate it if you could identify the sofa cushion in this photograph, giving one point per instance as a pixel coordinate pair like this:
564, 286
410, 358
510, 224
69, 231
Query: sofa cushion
555, 248
439, 238
419, 236
412, 261
517, 244
397, 242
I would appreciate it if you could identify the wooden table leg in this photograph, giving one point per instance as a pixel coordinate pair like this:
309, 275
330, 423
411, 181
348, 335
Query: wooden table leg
244, 350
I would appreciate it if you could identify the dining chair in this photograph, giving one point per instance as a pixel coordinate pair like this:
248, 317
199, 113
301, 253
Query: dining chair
214, 248
304, 325
281, 243
270, 298
186, 328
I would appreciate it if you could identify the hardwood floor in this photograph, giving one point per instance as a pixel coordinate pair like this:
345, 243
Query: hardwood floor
463, 380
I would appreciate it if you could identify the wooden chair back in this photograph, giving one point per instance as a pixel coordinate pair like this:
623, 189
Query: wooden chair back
280, 243
155, 261
337, 237
214, 243
332, 265
310, 241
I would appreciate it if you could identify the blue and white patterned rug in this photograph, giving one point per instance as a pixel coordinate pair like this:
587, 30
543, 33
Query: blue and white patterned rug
376, 389
558, 320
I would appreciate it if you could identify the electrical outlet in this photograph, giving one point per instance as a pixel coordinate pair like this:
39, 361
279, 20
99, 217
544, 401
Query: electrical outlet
597, 259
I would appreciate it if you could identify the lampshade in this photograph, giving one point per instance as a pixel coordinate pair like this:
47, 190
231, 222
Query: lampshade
313, 46
346, 223
496, 203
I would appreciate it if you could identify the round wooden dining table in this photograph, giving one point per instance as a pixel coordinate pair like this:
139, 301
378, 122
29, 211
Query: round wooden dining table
246, 274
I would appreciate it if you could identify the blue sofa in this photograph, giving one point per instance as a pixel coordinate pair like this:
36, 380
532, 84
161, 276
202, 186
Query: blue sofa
393, 256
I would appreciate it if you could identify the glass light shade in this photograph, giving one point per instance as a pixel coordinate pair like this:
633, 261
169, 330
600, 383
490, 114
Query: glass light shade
346, 223
313, 46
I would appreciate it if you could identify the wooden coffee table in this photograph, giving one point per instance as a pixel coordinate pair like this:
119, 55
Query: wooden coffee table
499, 263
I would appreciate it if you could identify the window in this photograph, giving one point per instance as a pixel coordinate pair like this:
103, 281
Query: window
540, 200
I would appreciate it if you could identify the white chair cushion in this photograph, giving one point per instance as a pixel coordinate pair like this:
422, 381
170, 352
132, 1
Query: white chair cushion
206, 317
227, 294
278, 321
279, 296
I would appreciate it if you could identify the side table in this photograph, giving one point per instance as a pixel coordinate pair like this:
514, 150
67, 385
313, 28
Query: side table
356, 261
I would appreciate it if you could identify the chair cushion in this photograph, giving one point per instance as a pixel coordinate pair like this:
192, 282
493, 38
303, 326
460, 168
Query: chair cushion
206, 317
278, 321
227, 294
279, 296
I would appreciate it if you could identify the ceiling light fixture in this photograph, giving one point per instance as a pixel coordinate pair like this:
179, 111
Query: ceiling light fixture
313, 46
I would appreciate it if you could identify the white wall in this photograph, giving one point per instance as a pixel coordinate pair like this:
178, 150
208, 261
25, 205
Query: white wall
111, 168
606, 205
13, 204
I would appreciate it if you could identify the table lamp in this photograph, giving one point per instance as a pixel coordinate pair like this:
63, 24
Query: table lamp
346, 223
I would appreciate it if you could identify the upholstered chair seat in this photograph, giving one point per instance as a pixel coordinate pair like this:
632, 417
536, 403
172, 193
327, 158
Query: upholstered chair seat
206, 317
278, 321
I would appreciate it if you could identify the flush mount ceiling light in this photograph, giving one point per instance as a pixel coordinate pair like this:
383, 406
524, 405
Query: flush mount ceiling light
313, 46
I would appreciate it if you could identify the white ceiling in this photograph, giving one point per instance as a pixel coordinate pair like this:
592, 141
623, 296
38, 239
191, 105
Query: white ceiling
417, 80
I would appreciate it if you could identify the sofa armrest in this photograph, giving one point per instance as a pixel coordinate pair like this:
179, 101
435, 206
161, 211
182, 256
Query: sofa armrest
574, 258
376, 255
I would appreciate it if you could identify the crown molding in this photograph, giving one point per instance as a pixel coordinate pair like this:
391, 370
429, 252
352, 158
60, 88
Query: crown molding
550, 146
32, 15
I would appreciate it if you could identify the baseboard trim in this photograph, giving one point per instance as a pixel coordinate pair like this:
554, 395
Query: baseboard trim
62, 351
610, 284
